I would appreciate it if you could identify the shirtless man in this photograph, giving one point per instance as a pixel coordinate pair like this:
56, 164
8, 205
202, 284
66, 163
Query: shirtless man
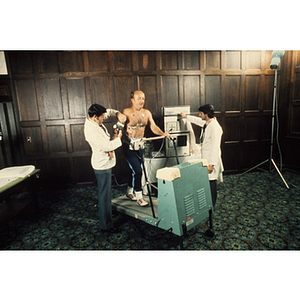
137, 119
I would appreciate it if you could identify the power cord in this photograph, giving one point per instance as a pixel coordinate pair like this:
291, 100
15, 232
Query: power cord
114, 176
150, 165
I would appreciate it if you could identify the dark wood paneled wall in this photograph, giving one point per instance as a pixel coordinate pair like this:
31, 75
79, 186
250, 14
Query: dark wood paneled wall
11, 150
54, 89
290, 109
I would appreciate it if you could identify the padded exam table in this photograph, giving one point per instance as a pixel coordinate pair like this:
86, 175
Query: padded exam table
14, 180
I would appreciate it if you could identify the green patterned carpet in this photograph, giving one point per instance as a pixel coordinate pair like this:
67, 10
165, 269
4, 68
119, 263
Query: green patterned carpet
253, 212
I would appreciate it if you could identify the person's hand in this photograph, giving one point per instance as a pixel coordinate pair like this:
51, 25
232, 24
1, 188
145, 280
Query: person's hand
210, 168
120, 134
168, 135
111, 154
121, 117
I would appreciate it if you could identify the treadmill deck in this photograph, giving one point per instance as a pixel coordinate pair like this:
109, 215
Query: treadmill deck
131, 208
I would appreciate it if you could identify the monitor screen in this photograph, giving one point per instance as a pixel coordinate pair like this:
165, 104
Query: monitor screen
181, 140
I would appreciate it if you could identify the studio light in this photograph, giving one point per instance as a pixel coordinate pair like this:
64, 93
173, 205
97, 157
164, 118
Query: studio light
276, 56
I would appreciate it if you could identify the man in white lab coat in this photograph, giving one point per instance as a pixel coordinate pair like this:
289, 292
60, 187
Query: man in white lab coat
103, 159
210, 143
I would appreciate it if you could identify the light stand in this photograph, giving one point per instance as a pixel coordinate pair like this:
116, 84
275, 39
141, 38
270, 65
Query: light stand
276, 55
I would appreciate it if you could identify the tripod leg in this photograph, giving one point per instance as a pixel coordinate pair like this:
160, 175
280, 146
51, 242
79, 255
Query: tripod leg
280, 174
255, 167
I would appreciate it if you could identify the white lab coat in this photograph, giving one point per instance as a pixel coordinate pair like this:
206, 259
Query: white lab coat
101, 144
211, 147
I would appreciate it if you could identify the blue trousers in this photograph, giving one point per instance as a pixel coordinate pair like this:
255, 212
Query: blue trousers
104, 199
134, 161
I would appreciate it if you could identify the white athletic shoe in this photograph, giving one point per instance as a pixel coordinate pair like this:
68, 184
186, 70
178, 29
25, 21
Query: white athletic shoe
141, 202
131, 196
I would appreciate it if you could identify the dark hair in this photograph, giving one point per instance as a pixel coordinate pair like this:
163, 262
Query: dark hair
96, 109
208, 109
